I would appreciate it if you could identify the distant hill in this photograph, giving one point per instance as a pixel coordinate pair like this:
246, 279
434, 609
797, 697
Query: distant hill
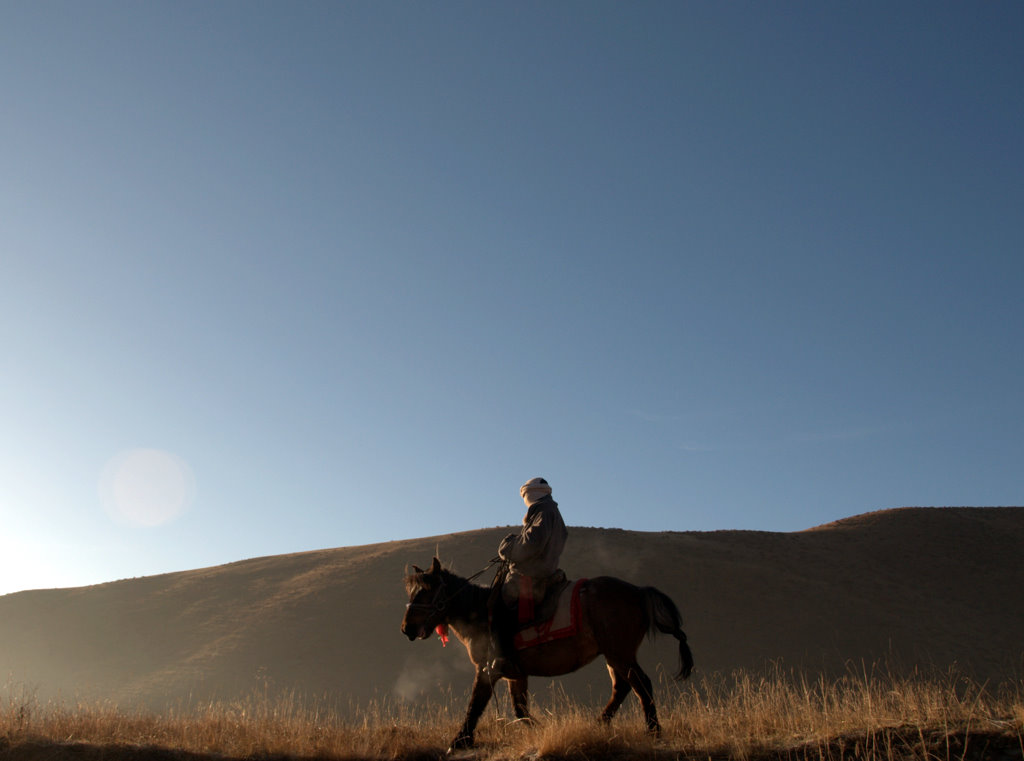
923, 587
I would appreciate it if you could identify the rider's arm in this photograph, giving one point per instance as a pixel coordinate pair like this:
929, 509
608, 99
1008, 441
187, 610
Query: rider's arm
530, 542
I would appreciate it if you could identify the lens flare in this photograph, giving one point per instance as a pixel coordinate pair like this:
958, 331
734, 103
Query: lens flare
146, 487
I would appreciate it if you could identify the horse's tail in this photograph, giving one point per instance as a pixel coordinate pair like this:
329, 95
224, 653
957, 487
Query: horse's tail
663, 616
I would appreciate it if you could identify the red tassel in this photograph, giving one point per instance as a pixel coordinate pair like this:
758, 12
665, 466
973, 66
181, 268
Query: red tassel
442, 632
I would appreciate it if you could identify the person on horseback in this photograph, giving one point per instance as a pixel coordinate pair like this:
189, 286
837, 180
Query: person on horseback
531, 557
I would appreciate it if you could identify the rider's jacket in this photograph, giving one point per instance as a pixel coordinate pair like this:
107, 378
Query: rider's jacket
536, 549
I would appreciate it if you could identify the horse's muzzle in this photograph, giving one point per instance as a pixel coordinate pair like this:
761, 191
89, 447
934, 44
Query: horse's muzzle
414, 633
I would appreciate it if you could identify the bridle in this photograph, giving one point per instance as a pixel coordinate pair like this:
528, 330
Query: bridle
435, 605
438, 604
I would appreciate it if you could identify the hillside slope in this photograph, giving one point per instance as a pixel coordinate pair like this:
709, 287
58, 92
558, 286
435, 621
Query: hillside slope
917, 586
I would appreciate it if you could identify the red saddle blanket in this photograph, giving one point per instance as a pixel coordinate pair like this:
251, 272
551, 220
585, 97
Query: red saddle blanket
564, 623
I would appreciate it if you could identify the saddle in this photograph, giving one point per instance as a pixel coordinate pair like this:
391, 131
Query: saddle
558, 618
533, 599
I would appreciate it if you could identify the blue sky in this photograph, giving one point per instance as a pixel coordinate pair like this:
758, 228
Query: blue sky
287, 276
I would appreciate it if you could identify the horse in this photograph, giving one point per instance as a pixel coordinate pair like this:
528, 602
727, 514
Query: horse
615, 616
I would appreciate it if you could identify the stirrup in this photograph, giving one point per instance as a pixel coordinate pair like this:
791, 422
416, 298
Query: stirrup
502, 667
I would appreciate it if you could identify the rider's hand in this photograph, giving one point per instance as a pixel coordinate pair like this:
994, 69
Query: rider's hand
506, 544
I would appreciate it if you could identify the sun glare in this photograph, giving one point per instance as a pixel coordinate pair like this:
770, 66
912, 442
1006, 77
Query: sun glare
24, 564
146, 487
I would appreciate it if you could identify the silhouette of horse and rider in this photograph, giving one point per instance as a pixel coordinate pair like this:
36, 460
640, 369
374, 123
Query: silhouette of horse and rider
508, 631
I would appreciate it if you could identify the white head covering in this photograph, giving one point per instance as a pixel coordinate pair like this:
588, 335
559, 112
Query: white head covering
533, 490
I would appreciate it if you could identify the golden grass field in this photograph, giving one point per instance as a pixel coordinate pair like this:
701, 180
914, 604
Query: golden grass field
866, 714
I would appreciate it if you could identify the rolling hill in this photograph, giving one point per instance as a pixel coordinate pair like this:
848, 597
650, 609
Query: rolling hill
917, 587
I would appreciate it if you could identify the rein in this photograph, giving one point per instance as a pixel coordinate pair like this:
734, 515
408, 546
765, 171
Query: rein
437, 605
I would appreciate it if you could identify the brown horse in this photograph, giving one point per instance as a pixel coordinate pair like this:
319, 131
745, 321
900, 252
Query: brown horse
615, 617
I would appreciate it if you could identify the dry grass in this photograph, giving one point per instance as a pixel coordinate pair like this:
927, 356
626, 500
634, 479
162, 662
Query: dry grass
886, 717
868, 715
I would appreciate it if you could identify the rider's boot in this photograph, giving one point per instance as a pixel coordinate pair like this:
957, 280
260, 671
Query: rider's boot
504, 664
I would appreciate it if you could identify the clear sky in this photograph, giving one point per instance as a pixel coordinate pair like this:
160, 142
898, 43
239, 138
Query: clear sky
281, 276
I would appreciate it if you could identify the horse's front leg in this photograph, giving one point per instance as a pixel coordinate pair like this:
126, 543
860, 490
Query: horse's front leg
518, 689
483, 688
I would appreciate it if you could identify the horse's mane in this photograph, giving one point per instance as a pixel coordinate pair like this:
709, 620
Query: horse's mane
414, 582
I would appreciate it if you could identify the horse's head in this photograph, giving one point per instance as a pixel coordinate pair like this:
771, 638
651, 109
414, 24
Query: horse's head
427, 601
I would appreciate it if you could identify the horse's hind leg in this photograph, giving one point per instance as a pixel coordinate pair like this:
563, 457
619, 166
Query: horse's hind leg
626, 675
620, 689
641, 684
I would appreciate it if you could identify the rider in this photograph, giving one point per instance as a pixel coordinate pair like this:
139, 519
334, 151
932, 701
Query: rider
532, 557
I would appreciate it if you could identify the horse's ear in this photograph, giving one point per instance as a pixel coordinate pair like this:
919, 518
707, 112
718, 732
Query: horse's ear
436, 567
417, 569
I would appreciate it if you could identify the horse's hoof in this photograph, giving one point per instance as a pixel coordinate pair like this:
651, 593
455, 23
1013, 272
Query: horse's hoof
460, 743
